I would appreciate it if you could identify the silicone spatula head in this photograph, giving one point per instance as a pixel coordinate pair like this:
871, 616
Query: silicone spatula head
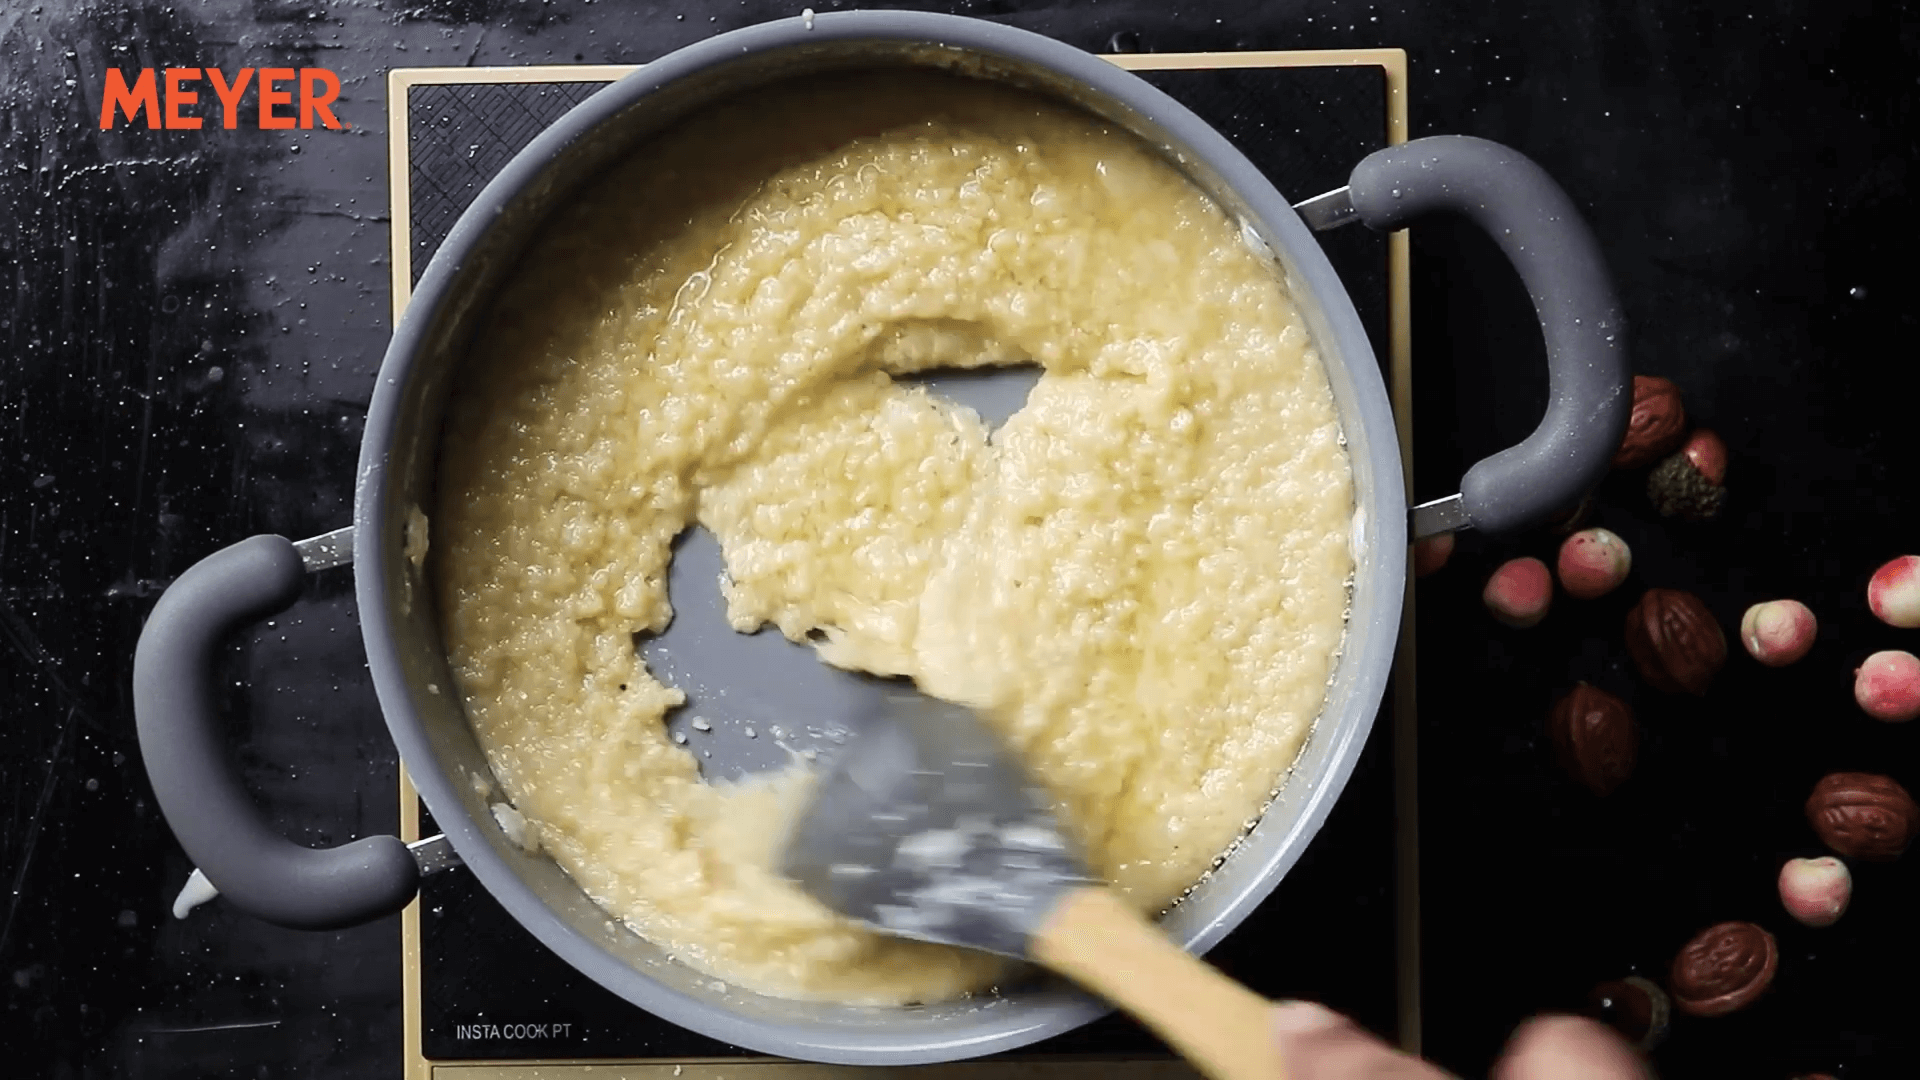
926, 827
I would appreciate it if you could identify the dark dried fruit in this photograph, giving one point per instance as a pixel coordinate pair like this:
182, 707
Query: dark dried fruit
1723, 969
1657, 425
1595, 738
1863, 816
1691, 482
1675, 641
1571, 521
1633, 1006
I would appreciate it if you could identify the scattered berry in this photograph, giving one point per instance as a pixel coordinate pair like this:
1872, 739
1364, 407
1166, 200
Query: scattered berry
1593, 562
1431, 554
1778, 632
1816, 891
1887, 686
1519, 592
1894, 592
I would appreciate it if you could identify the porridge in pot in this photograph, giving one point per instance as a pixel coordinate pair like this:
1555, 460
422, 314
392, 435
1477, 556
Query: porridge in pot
1142, 576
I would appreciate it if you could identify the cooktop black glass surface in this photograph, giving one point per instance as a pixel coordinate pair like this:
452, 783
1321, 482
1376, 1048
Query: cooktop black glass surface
490, 991
195, 321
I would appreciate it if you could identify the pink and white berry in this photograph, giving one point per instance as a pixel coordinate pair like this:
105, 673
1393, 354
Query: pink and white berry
1519, 592
1816, 891
1593, 562
1894, 592
1887, 686
1431, 554
1778, 632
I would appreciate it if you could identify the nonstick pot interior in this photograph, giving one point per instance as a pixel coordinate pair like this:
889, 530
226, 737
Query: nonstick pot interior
397, 480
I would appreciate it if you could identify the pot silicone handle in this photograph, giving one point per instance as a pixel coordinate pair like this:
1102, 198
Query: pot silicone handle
256, 869
1590, 393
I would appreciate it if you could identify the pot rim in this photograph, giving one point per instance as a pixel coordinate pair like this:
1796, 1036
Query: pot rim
1379, 525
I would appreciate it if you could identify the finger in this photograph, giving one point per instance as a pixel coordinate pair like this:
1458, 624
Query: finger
1317, 1043
1567, 1048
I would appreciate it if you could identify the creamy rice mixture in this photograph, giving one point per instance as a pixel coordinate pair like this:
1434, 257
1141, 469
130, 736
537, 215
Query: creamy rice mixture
1142, 576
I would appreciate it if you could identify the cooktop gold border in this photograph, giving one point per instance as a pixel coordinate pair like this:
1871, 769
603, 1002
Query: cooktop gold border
1393, 65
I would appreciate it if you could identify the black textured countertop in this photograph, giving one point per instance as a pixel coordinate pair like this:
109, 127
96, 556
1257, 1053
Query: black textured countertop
195, 319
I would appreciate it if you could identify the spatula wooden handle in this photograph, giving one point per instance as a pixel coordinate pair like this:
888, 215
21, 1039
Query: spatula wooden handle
1221, 1027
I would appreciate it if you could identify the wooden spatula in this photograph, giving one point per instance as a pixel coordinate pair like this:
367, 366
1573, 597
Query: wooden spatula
925, 827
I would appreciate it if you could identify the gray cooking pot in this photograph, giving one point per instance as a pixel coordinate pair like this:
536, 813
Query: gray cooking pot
264, 874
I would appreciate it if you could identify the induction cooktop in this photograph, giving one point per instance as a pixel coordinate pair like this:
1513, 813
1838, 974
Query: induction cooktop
486, 1001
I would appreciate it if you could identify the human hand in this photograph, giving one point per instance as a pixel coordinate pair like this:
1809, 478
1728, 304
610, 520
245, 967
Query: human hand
1319, 1044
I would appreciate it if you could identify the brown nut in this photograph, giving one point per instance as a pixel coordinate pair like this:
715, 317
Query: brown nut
1675, 641
1691, 482
1723, 969
1594, 737
1863, 816
1657, 425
